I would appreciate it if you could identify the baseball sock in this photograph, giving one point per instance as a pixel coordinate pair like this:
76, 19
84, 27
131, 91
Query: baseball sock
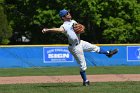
103, 51
83, 75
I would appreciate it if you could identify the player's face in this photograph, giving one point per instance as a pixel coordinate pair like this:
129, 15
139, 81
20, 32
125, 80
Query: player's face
67, 16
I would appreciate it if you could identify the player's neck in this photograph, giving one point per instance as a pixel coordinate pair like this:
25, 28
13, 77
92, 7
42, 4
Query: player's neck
67, 20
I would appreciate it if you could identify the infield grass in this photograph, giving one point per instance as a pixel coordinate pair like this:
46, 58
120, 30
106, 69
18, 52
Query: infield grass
106, 87
52, 71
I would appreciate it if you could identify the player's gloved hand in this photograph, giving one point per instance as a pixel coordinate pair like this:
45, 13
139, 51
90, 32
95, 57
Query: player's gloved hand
45, 30
78, 28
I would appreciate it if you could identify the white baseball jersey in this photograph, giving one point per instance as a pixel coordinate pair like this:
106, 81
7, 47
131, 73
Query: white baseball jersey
73, 38
77, 46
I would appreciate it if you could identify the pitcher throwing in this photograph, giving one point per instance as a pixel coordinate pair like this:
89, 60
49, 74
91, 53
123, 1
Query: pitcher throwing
72, 30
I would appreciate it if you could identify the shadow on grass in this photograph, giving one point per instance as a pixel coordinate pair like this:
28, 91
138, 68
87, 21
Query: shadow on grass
60, 85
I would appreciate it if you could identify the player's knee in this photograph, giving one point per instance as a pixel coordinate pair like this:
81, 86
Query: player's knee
83, 69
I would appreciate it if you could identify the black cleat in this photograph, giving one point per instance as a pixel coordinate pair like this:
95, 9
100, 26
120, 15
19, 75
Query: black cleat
87, 83
112, 52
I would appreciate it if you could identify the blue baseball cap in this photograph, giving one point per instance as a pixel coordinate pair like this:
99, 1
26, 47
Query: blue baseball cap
63, 12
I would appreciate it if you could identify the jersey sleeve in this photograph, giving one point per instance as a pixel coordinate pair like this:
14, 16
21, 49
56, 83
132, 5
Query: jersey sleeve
67, 27
63, 28
74, 21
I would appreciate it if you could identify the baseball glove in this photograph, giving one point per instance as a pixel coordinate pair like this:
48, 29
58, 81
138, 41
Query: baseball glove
78, 28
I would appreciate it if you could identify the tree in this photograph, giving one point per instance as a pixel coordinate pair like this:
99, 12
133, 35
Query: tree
112, 21
29, 17
5, 29
123, 24
106, 21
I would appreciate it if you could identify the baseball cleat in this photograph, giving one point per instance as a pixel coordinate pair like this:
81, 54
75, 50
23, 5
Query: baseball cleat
87, 83
112, 52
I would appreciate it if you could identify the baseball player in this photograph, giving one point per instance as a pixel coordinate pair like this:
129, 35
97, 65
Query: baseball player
77, 46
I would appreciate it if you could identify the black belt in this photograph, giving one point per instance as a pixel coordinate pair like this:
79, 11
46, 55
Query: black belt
73, 44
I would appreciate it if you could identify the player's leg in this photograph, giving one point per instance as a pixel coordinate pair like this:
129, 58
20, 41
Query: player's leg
78, 54
90, 47
85, 80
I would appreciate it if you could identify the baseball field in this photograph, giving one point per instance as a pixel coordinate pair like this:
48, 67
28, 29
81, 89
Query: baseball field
118, 79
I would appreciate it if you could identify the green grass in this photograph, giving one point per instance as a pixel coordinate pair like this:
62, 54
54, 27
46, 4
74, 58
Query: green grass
96, 87
69, 71
106, 87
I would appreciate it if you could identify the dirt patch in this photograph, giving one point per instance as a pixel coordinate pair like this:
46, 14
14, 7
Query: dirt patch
70, 78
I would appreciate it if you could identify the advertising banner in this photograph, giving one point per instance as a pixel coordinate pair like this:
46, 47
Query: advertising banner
133, 53
57, 54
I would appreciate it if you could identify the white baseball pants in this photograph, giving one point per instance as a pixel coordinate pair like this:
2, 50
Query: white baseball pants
78, 52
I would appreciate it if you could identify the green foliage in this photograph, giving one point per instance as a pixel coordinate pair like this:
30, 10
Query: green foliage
106, 21
5, 28
1, 1
121, 24
114, 21
33, 16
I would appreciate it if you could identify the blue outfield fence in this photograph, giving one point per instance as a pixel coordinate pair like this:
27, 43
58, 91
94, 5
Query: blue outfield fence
49, 56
